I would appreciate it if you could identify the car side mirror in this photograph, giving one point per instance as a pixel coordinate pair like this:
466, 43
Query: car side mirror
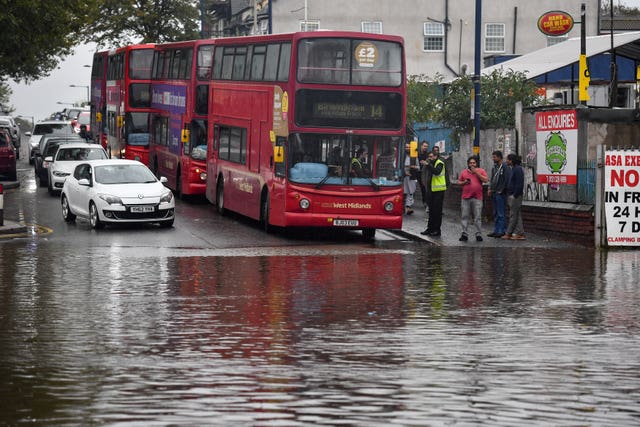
49, 159
27, 133
85, 182
163, 179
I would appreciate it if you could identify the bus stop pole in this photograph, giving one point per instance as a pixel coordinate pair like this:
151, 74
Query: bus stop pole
476, 80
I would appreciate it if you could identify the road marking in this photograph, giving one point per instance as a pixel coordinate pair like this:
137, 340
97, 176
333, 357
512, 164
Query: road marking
32, 230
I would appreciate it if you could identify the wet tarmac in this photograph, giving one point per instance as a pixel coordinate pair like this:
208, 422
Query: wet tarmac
343, 334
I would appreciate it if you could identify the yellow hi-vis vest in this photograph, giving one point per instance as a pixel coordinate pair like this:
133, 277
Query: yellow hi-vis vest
439, 182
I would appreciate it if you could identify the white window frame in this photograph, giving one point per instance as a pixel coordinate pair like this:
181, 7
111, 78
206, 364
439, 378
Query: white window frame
434, 31
372, 27
314, 24
494, 37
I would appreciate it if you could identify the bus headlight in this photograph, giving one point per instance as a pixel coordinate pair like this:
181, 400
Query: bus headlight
304, 203
203, 176
388, 206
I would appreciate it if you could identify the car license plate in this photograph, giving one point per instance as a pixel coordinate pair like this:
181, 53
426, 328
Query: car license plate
142, 209
345, 222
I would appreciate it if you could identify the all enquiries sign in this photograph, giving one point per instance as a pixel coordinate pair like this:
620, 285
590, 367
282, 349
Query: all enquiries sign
557, 147
622, 197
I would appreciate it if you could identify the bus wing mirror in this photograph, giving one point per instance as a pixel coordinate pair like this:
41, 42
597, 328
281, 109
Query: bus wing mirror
278, 154
413, 145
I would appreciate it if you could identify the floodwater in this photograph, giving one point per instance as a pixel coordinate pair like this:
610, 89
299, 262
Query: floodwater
353, 335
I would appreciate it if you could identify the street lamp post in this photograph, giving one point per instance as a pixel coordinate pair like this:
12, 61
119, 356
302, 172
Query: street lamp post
88, 94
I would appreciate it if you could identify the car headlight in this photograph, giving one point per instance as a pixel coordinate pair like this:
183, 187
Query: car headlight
112, 200
60, 174
166, 197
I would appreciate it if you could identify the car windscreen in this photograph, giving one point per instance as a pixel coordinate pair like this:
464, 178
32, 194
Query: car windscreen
52, 128
80, 153
123, 174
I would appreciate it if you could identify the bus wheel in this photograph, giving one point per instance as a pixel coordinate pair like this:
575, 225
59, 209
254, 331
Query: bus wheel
369, 233
178, 185
264, 212
220, 197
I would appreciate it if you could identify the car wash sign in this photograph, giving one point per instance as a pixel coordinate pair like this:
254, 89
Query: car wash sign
555, 23
622, 197
557, 147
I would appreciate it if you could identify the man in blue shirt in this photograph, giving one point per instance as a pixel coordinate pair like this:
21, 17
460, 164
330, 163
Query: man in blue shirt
515, 189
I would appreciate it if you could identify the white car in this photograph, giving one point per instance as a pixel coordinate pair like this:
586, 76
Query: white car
46, 127
67, 158
116, 191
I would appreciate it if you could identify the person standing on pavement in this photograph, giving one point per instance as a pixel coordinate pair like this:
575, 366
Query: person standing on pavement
434, 174
515, 190
498, 192
423, 156
410, 179
471, 180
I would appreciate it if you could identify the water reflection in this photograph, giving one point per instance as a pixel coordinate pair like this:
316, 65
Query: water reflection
439, 336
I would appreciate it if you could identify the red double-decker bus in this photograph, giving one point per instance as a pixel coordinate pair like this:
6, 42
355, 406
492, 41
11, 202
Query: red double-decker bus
128, 102
98, 99
306, 128
179, 99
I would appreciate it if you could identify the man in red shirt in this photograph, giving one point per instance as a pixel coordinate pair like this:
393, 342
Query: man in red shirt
471, 180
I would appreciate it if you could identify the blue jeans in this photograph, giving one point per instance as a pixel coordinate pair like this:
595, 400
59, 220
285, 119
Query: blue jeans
499, 212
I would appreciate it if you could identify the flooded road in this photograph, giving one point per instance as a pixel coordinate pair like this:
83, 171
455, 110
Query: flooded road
342, 334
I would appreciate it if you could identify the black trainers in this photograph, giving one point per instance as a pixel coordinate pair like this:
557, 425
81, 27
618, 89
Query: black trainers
478, 238
425, 232
463, 238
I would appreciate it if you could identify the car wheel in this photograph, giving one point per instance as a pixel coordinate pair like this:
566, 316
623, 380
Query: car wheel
13, 176
67, 215
41, 181
167, 224
94, 217
52, 192
220, 197
179, 185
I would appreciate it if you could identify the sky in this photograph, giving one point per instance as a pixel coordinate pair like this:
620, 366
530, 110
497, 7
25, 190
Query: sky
40, 98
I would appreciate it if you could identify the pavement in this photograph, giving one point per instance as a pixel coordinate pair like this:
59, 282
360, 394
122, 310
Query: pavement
8, 226
451, 231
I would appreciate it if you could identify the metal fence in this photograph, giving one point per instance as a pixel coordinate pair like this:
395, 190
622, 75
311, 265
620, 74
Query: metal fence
586, 182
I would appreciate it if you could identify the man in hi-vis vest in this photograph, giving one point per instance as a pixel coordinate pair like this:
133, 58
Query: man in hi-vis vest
435, 179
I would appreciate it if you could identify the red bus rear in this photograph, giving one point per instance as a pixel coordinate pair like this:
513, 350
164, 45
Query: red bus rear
289, 116
180, 96
128, 103
99, 96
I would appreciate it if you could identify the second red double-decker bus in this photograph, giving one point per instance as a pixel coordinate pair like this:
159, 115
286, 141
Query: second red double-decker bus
306, 129
179, 98
98, 99
128, 101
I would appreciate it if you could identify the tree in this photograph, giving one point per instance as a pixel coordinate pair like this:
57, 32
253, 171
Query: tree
120, 22
500, 91
37, 34
423, 98
5, 94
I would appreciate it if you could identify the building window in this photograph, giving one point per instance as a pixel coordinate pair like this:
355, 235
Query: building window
374, 27
433, 37
309, 25
494, 38
553, 40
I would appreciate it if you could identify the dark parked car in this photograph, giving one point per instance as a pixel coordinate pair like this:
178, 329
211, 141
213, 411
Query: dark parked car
7, 156
49, 146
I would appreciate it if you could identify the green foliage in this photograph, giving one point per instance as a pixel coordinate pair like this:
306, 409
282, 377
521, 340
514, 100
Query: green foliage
423, 98
120, 22
36, 34
499, 92
5, 95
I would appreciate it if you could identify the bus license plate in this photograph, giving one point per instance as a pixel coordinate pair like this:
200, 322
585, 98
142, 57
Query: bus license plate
345, 222
142, 209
